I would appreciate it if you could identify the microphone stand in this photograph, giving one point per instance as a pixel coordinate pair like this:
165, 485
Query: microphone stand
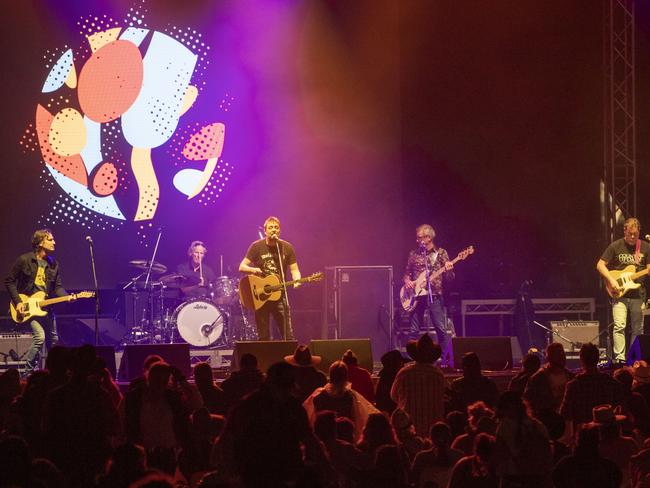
92, 263
287, 318
146, 284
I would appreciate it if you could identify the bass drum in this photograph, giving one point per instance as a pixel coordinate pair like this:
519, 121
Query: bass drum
199, 322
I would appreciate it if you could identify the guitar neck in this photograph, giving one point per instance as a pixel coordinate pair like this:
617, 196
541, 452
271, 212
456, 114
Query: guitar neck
639, 274
52, 301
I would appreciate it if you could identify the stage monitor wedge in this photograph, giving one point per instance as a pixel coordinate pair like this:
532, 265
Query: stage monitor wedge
266, 352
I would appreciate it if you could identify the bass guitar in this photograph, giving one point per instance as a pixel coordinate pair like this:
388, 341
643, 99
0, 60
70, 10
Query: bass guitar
407, 297
33, 305
255, 291
625, 280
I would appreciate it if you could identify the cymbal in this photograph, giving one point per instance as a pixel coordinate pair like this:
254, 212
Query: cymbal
175, 280
157, 267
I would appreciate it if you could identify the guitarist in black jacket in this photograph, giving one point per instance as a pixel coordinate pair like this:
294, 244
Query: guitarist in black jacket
32, 272
630, 251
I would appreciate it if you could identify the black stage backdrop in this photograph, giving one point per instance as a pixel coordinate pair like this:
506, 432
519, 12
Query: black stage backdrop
354, 122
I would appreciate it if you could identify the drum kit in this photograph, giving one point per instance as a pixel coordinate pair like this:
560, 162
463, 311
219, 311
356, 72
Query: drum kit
173, 308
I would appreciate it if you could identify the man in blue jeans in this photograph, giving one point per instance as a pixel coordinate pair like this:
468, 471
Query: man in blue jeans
432, 258
32, 272
628, 251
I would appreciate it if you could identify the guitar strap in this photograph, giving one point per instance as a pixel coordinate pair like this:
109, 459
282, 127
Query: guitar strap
637, 252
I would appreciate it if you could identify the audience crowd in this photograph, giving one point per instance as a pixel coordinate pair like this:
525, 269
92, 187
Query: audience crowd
70, 425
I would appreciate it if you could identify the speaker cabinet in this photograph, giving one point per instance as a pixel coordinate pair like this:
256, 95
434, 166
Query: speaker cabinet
358, 303
332, 350
134, 355
14, 347
495, 353
572, 334
640, 349
266, 352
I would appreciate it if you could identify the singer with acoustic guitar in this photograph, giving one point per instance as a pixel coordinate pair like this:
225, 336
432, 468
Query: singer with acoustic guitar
425, 261
272, 256
623, 267
36, 272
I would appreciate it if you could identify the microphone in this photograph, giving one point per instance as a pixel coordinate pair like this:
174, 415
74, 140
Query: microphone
274, 237
89, 239
647, 237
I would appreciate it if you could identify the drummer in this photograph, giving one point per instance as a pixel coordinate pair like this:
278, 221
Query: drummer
199, 274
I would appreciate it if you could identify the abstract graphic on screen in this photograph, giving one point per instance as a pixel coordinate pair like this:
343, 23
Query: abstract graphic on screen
114, 126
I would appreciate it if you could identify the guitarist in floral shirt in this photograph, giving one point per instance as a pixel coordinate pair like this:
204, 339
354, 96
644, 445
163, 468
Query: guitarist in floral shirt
436, 258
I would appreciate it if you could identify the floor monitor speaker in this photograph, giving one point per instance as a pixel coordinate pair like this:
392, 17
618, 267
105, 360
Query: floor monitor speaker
331, 350
266, 352
495, 352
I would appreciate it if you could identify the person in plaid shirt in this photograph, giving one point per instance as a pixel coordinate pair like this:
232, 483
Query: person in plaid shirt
419, 387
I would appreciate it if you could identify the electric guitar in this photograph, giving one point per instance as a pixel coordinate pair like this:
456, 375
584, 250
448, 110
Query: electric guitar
34, 304
625, 279
254, 291
407, 297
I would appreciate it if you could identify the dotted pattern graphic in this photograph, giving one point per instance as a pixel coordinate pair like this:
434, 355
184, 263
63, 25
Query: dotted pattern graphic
58, 133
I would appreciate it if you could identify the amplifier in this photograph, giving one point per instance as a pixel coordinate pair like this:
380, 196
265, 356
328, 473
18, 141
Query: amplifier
14, 346
578, 332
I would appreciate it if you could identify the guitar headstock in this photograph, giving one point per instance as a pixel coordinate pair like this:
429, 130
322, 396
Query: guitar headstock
85, 294
314, 277
466, 252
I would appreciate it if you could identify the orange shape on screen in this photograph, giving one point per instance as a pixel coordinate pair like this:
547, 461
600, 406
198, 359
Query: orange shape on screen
70, 166
206, 143
110, 81
105, 179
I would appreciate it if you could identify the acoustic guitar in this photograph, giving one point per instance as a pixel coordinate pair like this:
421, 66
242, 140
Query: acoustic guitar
255, 291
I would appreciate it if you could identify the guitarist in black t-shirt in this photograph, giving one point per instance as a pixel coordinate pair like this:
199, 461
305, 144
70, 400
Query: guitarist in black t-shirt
623, 266
262, 259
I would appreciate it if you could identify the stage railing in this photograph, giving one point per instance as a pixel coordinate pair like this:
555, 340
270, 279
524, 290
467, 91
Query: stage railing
577, 308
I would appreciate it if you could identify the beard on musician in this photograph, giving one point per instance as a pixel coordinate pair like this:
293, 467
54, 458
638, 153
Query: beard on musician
37, 271
272, 256
623, 266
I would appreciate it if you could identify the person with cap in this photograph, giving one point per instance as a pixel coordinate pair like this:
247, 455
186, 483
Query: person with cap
419, 388
613, 445
392, 362
339, 396
359, 377
308, 378
641, 382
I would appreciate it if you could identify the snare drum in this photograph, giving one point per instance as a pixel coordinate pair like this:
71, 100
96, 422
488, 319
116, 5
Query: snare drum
224, 290
199, 322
